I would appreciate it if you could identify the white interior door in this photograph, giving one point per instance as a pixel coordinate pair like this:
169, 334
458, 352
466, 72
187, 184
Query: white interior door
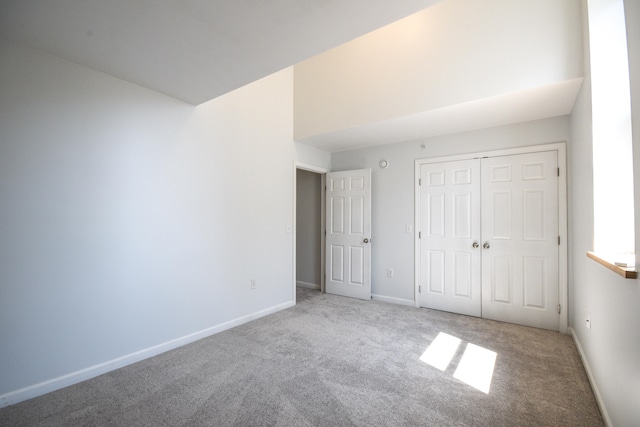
520, 252
450, 235
348, 241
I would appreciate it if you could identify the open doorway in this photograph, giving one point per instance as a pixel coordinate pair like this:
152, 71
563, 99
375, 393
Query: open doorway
309, 230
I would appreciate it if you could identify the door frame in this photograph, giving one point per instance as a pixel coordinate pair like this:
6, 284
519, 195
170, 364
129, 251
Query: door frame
561, 149
323, 174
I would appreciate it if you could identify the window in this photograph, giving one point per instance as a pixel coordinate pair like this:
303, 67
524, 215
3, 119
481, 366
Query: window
614, 237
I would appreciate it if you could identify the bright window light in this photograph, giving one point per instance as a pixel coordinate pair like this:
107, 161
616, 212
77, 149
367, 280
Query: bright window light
476, 367
612, 149
441, 351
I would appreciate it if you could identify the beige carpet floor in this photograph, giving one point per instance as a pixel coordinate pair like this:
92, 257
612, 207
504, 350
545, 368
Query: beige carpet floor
333, 361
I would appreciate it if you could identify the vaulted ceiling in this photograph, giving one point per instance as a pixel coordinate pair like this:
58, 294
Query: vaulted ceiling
457, 66
194, 50
197, 50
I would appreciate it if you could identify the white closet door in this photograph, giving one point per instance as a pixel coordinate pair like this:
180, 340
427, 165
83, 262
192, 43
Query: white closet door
348, 247
450, 234
520, 239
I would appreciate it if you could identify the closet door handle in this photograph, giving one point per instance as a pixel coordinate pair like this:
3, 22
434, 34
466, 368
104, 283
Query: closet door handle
486, 245
475, 245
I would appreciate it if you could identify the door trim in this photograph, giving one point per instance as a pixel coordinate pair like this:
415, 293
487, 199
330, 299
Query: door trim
561, 149
323, 172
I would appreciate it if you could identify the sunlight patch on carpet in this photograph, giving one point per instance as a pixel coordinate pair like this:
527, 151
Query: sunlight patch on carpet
475, 367
441, 351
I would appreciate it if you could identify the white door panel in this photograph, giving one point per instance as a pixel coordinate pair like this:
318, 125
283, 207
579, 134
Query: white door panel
450, 224
520, 227
509, 206
349, 233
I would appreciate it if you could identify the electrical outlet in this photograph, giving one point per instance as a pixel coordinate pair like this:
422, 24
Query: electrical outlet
389, 272
587, 318
253, 283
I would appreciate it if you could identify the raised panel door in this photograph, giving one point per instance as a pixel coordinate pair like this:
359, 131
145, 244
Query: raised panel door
520, 239
450, 224
348, 240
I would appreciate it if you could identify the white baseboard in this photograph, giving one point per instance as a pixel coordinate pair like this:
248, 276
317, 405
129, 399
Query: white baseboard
308, 285
393, 300
596, 391
48, 386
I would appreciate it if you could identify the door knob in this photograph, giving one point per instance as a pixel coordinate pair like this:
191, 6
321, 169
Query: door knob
475, 245
486, 245
366, 240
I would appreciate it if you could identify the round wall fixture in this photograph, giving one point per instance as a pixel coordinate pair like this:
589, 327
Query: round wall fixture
383, 164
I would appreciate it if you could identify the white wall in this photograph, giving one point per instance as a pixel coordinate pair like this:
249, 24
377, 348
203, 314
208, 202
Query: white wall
129, 219
393, 190
308, 219
453, 52
611, 349
312, 156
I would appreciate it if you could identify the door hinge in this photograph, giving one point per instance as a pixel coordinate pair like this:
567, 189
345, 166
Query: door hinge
558, 240
420, 289
419, 182
558, 171
559, 308
419, 234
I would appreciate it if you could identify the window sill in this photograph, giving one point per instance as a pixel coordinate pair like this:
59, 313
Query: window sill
626, 272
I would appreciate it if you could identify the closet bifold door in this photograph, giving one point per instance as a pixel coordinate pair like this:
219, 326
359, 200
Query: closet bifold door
520, 254
450, 235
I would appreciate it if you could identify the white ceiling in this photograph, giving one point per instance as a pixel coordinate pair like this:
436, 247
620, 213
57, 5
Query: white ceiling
194, 50
542, 102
